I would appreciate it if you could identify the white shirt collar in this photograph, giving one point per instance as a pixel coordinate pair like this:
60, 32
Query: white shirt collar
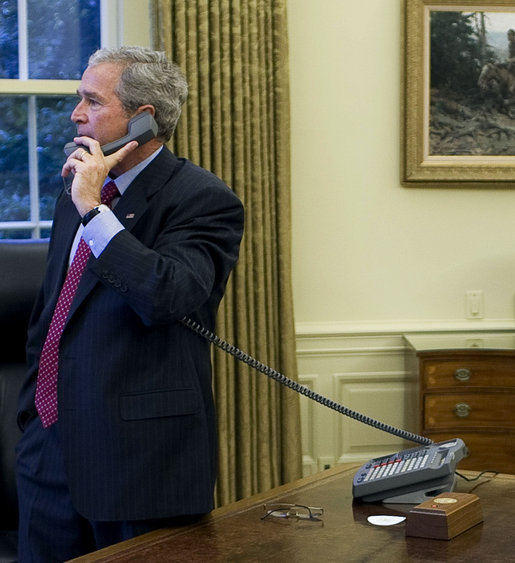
124, 180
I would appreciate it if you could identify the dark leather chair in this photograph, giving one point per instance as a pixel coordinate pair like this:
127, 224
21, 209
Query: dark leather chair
22, 265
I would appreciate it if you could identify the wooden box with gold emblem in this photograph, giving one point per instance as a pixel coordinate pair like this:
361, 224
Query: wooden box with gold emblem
444, 516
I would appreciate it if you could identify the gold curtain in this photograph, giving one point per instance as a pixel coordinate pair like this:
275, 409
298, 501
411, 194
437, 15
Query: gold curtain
236, 124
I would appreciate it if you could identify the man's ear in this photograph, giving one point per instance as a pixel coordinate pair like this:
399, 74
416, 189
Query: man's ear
147, 107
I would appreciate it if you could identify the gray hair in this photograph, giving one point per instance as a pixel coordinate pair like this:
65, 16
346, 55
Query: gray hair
148, 77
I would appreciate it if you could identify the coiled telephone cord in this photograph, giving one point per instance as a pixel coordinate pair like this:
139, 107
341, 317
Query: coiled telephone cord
302, 389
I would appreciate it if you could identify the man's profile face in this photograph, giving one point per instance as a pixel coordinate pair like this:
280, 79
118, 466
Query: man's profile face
99, 113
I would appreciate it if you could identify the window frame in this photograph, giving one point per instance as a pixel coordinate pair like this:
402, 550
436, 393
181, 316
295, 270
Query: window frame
32, 89
111, 32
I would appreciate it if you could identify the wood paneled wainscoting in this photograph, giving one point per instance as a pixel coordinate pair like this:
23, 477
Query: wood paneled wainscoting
374, 373
366, 373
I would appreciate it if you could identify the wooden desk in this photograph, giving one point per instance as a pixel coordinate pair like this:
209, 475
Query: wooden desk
236, 532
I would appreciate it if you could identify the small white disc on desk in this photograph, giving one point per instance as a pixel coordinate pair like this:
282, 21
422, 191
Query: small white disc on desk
386, 520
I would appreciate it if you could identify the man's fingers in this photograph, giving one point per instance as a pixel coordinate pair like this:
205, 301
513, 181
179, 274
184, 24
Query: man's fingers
119, 155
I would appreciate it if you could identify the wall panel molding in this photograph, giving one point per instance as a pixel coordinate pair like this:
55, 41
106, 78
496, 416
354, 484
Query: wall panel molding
333, 330
356, 371
366, 372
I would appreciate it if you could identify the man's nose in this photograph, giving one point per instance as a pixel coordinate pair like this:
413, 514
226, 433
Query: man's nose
78, 115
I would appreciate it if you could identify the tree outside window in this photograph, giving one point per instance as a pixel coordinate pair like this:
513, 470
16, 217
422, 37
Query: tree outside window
44, 45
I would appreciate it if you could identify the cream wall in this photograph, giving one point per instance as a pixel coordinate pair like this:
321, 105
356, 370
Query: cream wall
133, 22
367, 252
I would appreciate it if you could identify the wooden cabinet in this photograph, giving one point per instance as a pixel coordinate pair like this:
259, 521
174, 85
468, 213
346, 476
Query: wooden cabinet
467, 390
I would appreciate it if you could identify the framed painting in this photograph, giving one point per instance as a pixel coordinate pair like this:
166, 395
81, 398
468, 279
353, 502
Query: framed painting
459, 94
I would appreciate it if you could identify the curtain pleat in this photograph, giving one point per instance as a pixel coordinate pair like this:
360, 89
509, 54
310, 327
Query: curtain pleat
236, 124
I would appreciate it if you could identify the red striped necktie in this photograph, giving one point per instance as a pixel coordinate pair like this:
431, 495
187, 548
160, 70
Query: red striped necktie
46, 390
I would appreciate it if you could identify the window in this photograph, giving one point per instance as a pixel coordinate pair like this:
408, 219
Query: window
44, 47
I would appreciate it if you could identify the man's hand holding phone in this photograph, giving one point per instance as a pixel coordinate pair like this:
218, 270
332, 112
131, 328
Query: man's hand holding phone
90, 168
90, 163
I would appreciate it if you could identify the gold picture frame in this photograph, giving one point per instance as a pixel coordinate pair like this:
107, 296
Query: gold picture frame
467, 148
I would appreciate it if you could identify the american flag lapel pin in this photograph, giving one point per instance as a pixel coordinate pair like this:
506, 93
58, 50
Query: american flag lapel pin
130, 216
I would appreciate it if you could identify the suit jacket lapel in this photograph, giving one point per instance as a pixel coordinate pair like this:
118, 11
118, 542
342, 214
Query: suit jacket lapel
68, 224
134, 202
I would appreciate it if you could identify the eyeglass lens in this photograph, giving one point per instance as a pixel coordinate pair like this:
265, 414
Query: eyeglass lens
293, 511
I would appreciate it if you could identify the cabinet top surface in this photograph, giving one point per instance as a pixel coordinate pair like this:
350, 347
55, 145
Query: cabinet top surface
461, 341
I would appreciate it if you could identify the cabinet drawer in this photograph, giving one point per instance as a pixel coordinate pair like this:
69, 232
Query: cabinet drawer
485, 371
469, 410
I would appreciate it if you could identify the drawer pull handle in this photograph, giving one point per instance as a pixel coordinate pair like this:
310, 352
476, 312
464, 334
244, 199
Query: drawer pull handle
462, 410
462, 374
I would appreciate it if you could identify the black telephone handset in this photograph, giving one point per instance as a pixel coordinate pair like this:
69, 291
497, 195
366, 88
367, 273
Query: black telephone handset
142, 128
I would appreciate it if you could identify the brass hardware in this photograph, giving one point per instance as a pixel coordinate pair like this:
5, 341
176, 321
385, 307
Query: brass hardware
462, 374
462, 410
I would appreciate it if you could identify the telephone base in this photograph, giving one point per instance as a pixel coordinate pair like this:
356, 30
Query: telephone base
422, 494
410, 476
414, 493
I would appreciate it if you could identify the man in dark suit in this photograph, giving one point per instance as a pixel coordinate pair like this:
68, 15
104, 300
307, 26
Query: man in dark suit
131, 445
